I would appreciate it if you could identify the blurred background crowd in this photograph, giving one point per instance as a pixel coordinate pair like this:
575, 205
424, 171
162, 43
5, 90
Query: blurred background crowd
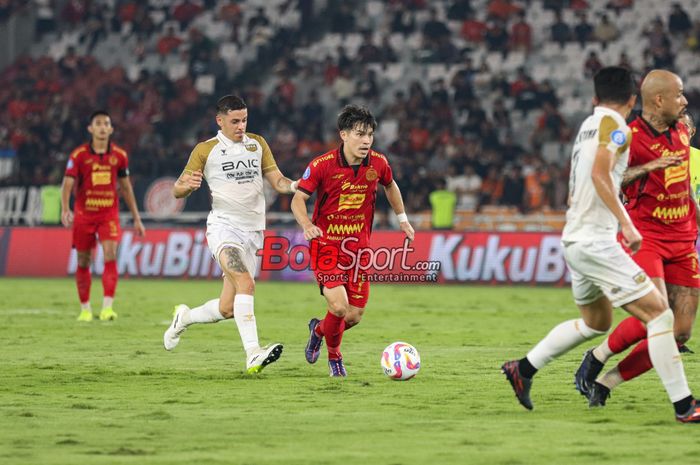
478, 98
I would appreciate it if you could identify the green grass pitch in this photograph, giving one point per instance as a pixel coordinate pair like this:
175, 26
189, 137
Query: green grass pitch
108, 393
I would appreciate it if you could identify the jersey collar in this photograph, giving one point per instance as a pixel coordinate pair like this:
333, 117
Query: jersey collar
344, 163
91, 149
228, 142
649, 128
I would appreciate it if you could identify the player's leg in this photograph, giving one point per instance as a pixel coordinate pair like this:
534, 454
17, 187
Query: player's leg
110, 277
84, 241
238, 268
211, 311
653, 310
358, 296
333, 326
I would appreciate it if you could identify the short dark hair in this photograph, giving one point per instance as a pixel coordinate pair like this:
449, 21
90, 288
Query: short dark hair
97, 113
614, 84
229, 103
355, 115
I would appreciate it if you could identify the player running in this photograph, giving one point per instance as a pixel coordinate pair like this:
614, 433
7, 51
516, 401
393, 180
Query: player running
345, 181
94, 169
603, 275
661, 206
234, 164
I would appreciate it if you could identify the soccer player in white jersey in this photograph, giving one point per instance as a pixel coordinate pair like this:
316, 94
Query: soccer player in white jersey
233, 164
603, 275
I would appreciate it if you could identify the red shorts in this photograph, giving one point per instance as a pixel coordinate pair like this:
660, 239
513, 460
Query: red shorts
675, 262
343, 273
85, 230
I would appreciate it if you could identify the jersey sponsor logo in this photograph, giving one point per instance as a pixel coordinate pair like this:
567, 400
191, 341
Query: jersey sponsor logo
670, 213
350, 201
337, 176
346, 229
327, 157
618, 137
251, 147
684, 140
371, 174
307, 173
674, 174
353, 187
92, 202
240, 164
101, 178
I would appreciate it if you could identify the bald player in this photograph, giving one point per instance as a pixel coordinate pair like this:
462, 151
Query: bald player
233, 163
660, 204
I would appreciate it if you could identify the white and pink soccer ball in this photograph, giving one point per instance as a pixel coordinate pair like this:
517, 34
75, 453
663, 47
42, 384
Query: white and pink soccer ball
400, 361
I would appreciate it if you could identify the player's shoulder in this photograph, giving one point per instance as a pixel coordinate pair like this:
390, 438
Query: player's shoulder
324, 160
205, 147
257, 137
79, 151
378, 156
119, 150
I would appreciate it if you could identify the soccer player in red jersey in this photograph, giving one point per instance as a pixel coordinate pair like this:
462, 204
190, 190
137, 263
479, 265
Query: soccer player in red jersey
660, 203
345, 181
94, 169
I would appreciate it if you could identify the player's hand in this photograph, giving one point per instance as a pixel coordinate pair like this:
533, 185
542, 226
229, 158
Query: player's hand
664, 162
67, 218
140, 229
312, 232
192, 179
631, 237
408, 230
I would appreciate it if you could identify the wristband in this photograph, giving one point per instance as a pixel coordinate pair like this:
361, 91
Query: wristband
293, 186
402, 217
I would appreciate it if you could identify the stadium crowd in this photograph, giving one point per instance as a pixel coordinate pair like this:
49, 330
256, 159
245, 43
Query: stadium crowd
461, 128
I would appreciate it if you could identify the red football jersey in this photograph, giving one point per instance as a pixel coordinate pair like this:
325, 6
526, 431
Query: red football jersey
96, 179
345, 199
659, 203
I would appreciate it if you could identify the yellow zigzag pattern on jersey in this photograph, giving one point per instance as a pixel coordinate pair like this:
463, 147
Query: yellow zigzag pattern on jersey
673, 213
345, 228
99, 203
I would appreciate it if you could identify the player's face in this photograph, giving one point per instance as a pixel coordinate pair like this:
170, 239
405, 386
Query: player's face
673, 103
233, 123
357, 142
100, 128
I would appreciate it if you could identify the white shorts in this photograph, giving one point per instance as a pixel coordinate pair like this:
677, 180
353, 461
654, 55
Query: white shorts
604, 268
221, 235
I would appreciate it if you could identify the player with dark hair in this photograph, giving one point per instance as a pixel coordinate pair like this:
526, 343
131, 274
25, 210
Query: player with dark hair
603, 275
234, 163
659, 201
93, 171
345, 181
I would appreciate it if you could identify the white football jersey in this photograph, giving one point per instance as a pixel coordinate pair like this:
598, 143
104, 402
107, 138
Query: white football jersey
233, 171
588, 219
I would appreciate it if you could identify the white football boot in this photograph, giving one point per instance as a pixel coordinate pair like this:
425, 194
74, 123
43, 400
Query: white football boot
171, 338
262, 357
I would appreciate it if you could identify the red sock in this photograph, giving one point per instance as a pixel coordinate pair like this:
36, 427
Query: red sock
637, 362
333, 327
628, 332
83, 280
109, 278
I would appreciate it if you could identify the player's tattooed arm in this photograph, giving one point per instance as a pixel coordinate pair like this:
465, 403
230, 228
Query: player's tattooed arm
280, 183
633, 173
234, 260
188, 182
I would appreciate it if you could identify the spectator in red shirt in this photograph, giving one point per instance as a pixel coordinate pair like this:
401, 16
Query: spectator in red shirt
521, 34
168, 43
185, 12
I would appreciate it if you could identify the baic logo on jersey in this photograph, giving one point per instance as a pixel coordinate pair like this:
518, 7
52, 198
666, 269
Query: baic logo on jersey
243, 170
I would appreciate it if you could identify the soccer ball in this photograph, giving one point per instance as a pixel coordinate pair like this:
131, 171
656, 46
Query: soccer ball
400, 361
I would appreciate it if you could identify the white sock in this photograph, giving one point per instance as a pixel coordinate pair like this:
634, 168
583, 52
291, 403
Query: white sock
602, 353
244, 314
665, 357
107, 302
611, 379
207, 313
85, 306
560, 340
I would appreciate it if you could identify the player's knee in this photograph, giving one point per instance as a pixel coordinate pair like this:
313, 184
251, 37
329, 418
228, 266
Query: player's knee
338, 308
245, 285
83, 261
226, 308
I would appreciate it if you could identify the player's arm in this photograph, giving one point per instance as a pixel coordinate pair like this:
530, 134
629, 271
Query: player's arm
280, 183
633, 173
601, 175
130, 199
393, 195
301, 214
66, 189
